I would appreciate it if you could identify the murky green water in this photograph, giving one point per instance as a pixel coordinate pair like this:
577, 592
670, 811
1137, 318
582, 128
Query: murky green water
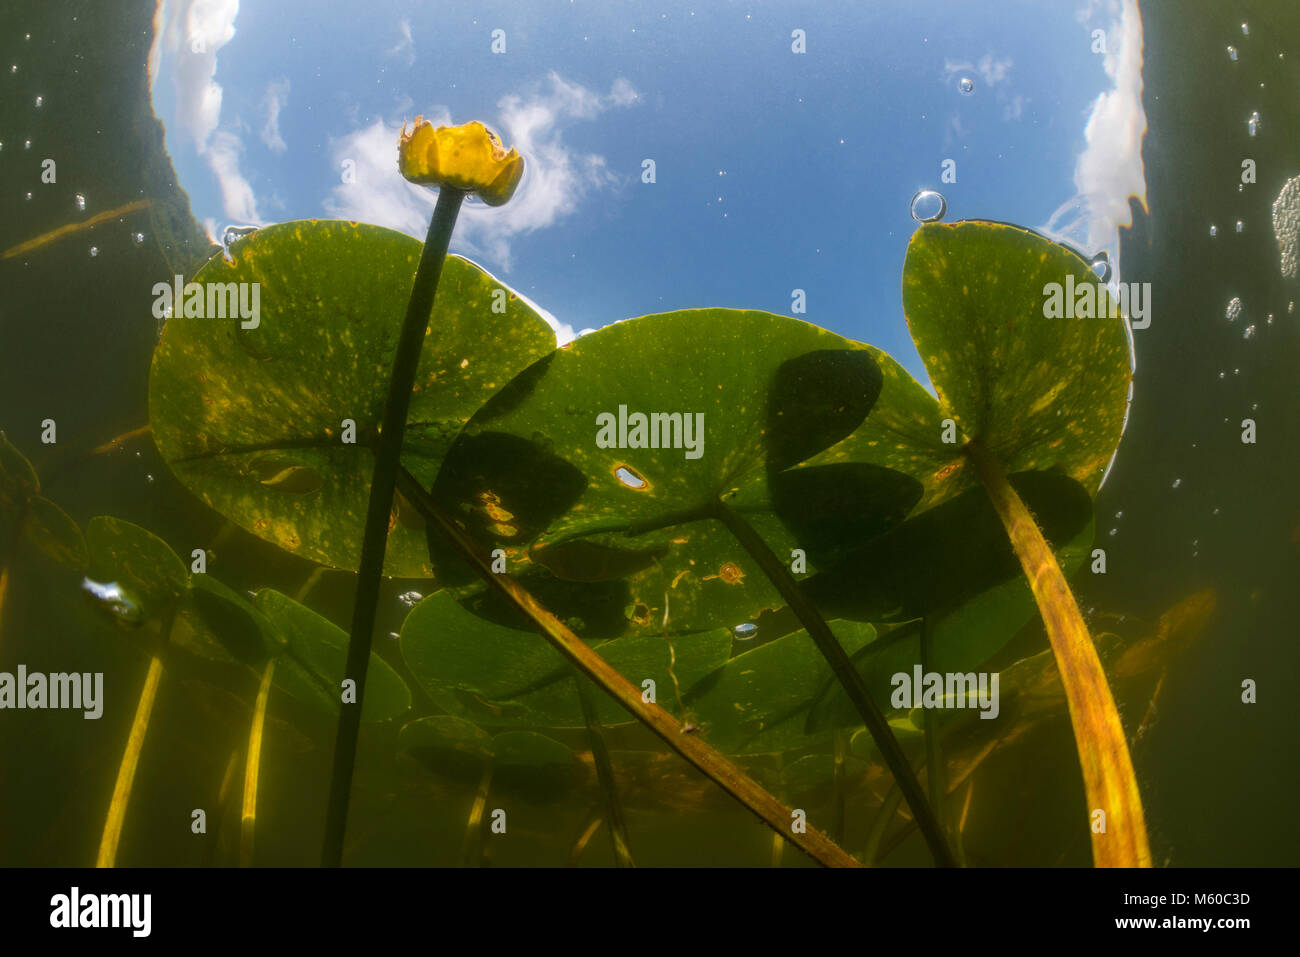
1202, 531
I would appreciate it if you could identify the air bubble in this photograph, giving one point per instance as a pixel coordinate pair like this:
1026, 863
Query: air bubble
1177, 482
1214, 231
1249, 333
1232, 54
409, 598
1252, 124
1233, 312
1101, 266
966, 85
1245, 29
139, 238
40, 101
94, 250
81, 202
745, 632
928, 206
1240, 226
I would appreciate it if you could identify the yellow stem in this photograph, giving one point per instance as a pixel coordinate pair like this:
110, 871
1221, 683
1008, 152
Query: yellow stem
126, 770
1108, 778
252, 764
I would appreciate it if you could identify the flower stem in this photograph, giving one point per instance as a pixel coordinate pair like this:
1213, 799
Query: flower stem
849, 677
406, 363
252, 765
669, 729
1108, 778
131, 756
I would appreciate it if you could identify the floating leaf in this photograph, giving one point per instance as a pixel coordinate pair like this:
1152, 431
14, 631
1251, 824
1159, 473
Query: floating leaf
554, 460
251, 419
1037, 392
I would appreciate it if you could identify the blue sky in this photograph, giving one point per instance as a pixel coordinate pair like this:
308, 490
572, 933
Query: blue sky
775, 170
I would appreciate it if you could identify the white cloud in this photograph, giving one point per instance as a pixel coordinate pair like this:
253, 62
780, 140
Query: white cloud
405, 47
1109, 170
187, 36
556, 177
273, 101
189, 33
237, 199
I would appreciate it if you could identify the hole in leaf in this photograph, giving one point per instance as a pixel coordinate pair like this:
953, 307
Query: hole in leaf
630, 478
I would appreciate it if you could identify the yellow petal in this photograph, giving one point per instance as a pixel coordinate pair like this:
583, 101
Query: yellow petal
468, 157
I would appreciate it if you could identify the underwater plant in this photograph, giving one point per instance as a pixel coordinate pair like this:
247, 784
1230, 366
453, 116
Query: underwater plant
626, 512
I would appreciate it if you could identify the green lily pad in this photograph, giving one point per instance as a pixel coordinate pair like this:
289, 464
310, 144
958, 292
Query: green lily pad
496, 675
1037, 392
314, 663
552, 464
758, 702
250, 419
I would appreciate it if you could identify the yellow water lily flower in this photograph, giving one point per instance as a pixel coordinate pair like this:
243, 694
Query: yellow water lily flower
468, 157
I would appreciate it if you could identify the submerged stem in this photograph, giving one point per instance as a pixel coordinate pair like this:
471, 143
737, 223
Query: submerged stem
935, 771
605, 775
880, 824
406, 362
1108, 778
721, 771
471, 851
252, 765
131, 756
849, 676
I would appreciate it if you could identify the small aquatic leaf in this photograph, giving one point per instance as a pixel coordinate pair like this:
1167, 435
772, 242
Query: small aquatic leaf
497, 675
53, 532
242, 631
758, 701
447, 746
250, 416
139, 562
23, 510
313, 665
533, 767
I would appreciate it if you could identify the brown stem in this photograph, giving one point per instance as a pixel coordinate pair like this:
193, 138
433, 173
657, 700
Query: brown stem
1108, 778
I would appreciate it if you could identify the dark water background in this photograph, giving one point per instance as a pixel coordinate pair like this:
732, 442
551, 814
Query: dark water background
76, 336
